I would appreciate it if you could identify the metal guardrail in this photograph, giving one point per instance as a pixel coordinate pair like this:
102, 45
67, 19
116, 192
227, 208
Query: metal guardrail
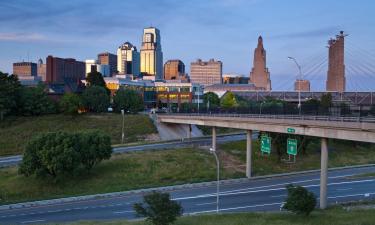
370, 119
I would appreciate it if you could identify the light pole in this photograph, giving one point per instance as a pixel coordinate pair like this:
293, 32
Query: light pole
213, 151
299, 82
123, 123
260, 108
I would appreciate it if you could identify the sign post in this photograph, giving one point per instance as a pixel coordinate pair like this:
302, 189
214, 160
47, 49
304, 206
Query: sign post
265, 146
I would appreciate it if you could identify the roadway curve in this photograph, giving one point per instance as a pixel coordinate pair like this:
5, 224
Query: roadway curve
15, 160
265, 194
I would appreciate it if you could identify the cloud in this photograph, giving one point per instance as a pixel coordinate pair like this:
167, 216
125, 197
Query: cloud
22, 37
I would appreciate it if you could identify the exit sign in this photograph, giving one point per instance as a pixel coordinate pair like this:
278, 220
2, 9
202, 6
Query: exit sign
290, 130
292, 146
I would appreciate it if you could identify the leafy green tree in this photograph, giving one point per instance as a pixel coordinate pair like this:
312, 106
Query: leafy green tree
35, 101
95, 99
9, 92
60, 153
70, 103
95, 78
299, 200
128, 100
325, 102
212, 98
228, 100
158, 208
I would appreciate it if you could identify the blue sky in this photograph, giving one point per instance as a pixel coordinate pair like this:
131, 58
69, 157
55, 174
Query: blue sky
226, 30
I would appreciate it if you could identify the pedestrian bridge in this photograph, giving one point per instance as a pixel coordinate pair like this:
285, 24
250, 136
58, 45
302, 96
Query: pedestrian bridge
345, 128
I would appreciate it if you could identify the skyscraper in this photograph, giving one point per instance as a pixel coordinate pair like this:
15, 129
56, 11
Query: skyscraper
23, 69
336, 67
259, 75
128, 59
206, 73
41, 69
107, 59
151, 54
175, 70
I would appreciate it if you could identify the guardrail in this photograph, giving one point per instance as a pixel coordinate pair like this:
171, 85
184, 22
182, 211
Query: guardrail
370, 119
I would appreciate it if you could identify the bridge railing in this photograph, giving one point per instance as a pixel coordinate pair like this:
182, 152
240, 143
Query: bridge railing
368, 119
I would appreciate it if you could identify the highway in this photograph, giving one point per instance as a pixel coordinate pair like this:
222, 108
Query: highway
15, 160
266, 194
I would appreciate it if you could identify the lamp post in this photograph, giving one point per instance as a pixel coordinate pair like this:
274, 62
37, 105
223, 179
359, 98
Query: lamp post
213, 151
123, 124
299, 82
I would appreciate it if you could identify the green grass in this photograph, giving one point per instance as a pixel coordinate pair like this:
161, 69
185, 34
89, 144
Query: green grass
341, 153
16, 131
332, 216
122, 172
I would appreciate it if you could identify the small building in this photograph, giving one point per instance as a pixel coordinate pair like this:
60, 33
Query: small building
302, 85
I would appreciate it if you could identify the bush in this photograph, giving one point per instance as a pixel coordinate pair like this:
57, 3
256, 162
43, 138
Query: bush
60, 153
35, 101
158, 208
70, 103
128, 100
95, 99
299, 200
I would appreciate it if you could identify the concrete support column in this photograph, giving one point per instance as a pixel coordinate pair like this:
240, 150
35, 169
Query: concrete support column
248, 152
189, 131
213, 138
323, 173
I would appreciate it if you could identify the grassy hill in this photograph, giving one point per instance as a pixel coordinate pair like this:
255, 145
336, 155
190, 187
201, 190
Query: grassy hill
16, 131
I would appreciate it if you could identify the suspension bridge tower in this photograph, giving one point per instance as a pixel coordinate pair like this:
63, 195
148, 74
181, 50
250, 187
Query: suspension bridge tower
336, 66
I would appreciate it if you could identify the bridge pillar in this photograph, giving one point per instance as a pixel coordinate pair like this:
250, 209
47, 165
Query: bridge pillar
248, 152
213, 138
323, 173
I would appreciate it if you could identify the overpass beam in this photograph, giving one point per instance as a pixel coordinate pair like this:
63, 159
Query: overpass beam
248, 152
213, 138
323, 173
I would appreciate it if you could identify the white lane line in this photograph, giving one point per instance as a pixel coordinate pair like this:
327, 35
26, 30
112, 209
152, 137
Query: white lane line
277, 196
343, 189
344, 196
32, 221
121, 212
208, 203
240, 207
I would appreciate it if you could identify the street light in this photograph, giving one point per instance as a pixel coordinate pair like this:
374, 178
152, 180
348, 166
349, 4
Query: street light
213, 151
123, 124
299, 82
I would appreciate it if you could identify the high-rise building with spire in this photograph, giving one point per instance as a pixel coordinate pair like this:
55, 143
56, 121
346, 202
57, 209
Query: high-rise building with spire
151, 54
259, 75
336, 67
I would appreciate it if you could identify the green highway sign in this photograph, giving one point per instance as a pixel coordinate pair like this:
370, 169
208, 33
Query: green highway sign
292, 146
265, 144
291, 130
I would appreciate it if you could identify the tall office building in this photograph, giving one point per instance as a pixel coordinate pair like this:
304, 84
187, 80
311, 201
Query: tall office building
206, 73
24, 69
151, 54
64, 71
128, 59
336, 80
259, 75
41, 69
106, 60
302, 85
175, 70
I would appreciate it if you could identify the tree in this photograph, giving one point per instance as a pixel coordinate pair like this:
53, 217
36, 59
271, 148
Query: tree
212, 98
325, 102
9, 92
128, 100
70, 103
299, 200
95, 78
158, 208
35, 101
228, 100
60, 153
95, 99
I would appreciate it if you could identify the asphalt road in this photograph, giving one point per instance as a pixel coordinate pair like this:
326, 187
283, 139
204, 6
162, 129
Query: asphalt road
15, 160
248, 195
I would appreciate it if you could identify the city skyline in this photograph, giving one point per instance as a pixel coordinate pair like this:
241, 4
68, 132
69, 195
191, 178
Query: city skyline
226, 38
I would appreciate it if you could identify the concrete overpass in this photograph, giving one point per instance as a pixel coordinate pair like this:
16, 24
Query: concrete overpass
325, 127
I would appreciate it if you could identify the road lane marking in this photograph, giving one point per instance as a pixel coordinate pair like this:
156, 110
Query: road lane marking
208, 203
277, 196
32, 221
121, 212
343, 196
240, 207
343, 189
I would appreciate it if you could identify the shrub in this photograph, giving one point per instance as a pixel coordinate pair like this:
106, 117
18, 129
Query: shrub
95, 99
70, 103
299, 200
60, 153
128, 100
158, 208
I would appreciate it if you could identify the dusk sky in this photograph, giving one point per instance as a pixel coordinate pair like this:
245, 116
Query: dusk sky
225, 30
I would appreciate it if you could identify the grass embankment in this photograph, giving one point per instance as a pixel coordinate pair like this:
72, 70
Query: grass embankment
122, 172
341, 153
331, 216
16, 131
